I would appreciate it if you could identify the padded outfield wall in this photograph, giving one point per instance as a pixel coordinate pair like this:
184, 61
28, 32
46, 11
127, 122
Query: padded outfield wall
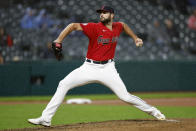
41, 78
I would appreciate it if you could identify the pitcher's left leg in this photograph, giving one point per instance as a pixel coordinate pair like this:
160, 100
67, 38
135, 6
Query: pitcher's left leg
114, 82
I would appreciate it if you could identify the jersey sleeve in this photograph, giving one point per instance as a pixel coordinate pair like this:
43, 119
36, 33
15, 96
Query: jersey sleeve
88, 29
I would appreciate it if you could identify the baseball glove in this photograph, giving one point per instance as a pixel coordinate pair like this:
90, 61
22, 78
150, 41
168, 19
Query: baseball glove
57, 48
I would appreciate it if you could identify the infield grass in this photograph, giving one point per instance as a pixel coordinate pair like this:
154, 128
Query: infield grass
15, 116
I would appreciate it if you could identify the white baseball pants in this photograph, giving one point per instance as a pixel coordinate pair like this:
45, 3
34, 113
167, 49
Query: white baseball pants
105, 74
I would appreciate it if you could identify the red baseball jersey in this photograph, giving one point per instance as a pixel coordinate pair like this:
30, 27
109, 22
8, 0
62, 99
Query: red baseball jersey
102, 40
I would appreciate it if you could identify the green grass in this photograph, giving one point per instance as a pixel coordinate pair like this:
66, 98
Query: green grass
15, 116
103, 97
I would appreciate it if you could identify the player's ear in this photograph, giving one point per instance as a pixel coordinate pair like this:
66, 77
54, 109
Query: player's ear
112, 15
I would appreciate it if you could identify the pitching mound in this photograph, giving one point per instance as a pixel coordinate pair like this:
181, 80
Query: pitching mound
124, 125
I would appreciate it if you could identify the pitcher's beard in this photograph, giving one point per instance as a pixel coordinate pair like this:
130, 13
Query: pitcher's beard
105, 21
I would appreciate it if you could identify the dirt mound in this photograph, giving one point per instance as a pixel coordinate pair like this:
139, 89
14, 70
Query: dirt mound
123, 125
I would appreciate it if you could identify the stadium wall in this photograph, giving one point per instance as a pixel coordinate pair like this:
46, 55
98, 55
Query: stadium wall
41, 78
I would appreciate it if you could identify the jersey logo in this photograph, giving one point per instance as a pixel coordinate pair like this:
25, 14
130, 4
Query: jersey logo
102, 40
104, 30
106, 41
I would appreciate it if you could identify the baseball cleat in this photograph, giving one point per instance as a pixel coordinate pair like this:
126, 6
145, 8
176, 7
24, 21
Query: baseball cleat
39, 121
158, 115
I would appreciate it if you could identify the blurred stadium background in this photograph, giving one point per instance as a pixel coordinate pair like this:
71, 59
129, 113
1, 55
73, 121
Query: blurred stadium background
166, 62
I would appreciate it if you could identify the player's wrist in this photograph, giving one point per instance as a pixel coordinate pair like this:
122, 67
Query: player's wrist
57, 41
135, 38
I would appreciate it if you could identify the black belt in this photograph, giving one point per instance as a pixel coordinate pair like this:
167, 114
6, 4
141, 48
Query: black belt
99, 62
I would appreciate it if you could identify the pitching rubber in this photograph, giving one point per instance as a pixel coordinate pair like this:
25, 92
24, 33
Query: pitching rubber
172, 120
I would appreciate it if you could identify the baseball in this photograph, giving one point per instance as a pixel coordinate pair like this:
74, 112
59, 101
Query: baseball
139, 42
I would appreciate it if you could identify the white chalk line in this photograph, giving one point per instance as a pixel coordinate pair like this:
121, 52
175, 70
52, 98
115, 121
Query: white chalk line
172, 120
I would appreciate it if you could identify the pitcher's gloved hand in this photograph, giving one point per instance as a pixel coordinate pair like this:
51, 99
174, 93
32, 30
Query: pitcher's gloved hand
57, 48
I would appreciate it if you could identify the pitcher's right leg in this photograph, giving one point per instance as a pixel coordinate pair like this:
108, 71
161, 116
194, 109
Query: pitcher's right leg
79, 76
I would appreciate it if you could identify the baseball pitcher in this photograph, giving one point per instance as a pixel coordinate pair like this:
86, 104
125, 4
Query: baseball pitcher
99, 65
